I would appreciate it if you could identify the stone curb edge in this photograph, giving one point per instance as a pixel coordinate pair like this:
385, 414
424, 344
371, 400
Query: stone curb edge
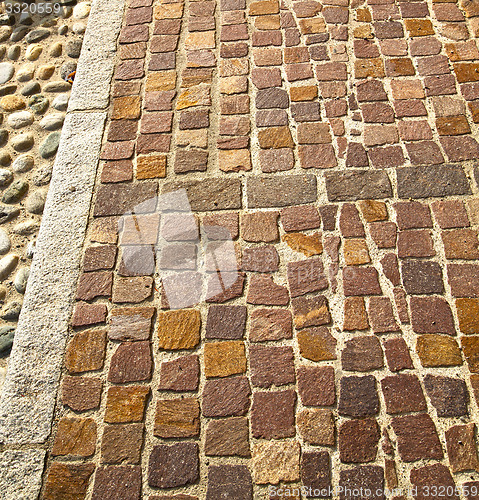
30, 391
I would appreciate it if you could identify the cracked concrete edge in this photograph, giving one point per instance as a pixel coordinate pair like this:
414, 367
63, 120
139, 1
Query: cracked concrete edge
30, 390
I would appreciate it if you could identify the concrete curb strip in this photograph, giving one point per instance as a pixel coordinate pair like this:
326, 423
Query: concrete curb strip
29, 394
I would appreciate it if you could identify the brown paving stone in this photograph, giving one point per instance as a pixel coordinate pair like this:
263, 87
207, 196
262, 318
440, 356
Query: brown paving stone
81, 393
358, 440
276, 461
437, 475
448, 395
389, 264
177, 418
131, 290
417, 438
360, 281
468, 315
88, 314
306, 276
173, 466
461, 448
308, 245
461, 244
316, 426
121, 444
403, 394
117, 482
260, 227
229, 481
362, 354
126, 404
86, 351
224, 358
381, 315
75, 437
397, 354
311, 311
355, 317
368, 477
226, 397
383, 234
179, 329
272, 414
463, 279
66, 480
264, 291
94, 284
358, 397
271, 366
226, 322
437, 350
316, 385
181, 374
422, 277
228, 437
355, 252
316, 470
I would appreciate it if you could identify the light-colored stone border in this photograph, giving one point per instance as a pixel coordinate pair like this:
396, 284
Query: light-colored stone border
29, 394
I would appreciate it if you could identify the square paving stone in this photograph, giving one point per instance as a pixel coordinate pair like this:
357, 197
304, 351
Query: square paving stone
226, 397
225, 322
228, 437
177, 418
448, 395
358, 397
270, 324
432, 478
121, 444
181, 374
358, 440
117, 483
316, 385
131, 362
316, 471
368, 480
271, 365
67, 480
229, 481
173, 466
272, 414
81, 393
402, 394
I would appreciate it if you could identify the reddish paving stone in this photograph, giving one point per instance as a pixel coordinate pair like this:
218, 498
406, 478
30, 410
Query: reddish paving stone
448, 395
316, 385
260, 227
358, 440
81, 393
417, 438
422, 277
381, 315
415, 244
358, 397
362, 354
228, 437
361, 281
88, 314
461, 448
300, 218
463, 279
383, 234
450, 214
226, 397
390, 266
117, 482
173, 466
121, 444
181, 374
131, 362
461, 244
316, 470
272, 414
397, 354
412, 215
270, 324
403, 394
435, 476
311, 311
275, 160
229, 481
226, 322
94, 284
350, 223
271, 366
264, 291
355, 316
260, 259
368, 477
431, 315
66, 480
306, 276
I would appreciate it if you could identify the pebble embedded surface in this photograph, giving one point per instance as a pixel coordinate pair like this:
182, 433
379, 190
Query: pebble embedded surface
35, 53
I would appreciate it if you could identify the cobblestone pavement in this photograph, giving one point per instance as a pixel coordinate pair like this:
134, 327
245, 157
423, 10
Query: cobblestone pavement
312, 317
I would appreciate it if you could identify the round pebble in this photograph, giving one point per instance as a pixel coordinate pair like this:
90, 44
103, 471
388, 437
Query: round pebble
11, 311
6, 72
43, 175
38, 104
8, 213
57, 87
23, 163
3, 137
46, 71
13, 52
56, 49
79, 28
12, 103
20, 119
37, 35
81, 10
25, 19
49, 146
73, 48
23, 142
61, 102
9, 88
5, 242
33, 52
5, 158
5, 32
7, 334
67, 68
31, 88
53, 121
18, 33
15, 191
35, 202
27, 227
7, 265
5, 177
20, 281
25, 73
30, 251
